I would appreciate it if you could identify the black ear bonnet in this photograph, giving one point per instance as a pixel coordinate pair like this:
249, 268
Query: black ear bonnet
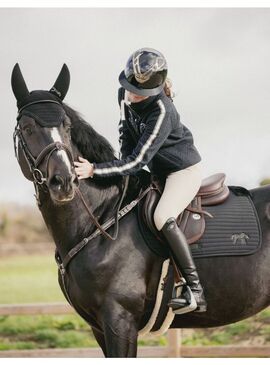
44, 106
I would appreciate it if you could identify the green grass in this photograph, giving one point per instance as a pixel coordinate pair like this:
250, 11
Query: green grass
29, 279
44, 331
151, 340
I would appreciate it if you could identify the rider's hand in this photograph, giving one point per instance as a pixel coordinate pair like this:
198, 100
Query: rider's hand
84, 168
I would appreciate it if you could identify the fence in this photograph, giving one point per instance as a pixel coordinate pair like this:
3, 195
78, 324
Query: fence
174, 348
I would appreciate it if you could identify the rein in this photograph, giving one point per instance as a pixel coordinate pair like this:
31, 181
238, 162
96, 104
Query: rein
95, 221
62, 264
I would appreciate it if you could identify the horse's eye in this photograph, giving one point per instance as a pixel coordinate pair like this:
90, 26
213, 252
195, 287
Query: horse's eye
68, 129
28, 130
68, 126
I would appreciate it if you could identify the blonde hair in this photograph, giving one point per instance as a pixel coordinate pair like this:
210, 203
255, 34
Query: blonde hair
168, 88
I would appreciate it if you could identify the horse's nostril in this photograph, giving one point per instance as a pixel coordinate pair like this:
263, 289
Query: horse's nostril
57, 180
63, 184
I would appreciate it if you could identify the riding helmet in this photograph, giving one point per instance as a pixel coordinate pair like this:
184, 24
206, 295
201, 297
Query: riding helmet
145, 72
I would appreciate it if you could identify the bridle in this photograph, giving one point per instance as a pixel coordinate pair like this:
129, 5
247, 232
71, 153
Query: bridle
46, 153
34, 162
41, 180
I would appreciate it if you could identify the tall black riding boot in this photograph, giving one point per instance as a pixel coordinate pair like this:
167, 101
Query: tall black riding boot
192, 296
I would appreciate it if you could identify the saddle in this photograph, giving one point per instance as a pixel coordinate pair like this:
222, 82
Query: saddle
191, 221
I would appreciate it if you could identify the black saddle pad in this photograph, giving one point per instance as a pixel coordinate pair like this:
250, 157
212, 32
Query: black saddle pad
234, 230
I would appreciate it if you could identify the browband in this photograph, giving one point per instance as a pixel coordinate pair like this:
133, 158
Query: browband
38, 102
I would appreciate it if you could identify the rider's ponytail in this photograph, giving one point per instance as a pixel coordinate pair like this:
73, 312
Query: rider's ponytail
168, 88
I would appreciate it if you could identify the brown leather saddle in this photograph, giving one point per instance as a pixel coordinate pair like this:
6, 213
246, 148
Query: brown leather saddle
191, 221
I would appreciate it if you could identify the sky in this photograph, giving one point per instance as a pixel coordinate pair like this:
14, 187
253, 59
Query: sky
218, 60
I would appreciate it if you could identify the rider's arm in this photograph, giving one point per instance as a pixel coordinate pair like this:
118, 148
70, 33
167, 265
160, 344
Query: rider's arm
157, 130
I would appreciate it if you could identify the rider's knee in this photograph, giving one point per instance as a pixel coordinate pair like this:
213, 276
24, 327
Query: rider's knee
159, 219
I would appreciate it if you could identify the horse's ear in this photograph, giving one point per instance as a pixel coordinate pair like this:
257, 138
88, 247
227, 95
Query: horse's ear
18, 84
61, 85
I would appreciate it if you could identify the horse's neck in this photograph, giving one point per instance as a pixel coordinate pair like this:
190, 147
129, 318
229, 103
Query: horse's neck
70, 223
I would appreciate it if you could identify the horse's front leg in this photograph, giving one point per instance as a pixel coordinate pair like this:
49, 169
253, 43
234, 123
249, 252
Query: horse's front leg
99, 336
120, 331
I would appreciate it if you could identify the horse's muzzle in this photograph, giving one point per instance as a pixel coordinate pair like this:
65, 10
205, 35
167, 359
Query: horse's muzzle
62, 188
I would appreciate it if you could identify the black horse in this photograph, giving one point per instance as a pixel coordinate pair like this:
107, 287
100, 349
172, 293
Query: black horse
112, 284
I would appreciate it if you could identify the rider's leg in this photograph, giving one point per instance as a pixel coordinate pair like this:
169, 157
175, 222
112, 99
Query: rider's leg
180, 188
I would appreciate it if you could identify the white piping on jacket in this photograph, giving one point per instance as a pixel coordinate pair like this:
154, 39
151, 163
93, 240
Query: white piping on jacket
144, 149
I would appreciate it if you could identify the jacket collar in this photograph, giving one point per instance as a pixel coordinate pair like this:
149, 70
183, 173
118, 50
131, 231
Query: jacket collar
142, 106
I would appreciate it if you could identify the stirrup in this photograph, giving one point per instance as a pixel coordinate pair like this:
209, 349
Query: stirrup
183, 300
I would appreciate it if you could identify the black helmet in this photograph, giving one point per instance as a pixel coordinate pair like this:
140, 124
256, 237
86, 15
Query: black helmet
145, 72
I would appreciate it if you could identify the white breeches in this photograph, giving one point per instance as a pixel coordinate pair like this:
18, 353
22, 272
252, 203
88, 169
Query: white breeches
180, 188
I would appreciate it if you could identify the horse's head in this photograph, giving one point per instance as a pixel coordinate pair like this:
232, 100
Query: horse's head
42, 136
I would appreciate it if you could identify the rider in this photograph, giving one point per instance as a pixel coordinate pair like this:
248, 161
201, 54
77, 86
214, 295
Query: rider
152, 134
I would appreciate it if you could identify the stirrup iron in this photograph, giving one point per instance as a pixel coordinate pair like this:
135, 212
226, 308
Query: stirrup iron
183, 300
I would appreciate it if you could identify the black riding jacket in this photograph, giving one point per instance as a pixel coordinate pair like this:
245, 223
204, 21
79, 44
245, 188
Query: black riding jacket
151, 133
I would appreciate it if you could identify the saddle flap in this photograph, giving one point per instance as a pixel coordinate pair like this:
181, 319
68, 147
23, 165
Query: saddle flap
191, 221
149, 206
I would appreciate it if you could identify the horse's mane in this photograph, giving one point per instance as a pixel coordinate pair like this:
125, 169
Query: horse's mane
96, 148
90, 143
